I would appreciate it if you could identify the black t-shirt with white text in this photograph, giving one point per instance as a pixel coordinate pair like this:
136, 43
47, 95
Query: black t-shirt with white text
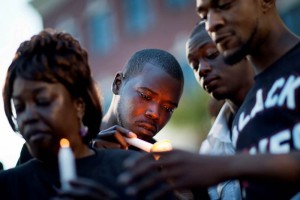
269, 122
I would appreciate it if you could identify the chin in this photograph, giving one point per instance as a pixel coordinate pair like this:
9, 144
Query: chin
144, 137
234, 55
218, 96
43, 153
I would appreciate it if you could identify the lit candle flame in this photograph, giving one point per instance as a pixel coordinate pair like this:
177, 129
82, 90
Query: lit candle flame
163, 145
64, 143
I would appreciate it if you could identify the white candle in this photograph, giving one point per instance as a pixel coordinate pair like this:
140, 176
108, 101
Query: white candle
66, 161
141, 144
163, 145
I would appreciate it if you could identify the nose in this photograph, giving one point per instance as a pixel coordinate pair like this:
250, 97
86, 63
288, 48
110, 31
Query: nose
152, 111
214, 21
204, 68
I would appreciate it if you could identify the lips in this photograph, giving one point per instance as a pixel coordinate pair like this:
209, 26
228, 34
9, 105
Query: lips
208, 84
150, 128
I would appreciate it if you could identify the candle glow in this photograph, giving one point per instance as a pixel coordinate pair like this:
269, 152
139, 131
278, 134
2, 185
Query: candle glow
163, 145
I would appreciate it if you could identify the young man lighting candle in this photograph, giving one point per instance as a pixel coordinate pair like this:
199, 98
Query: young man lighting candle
141, 107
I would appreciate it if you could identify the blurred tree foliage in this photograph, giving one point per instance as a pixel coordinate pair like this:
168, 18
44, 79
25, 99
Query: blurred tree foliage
192, 111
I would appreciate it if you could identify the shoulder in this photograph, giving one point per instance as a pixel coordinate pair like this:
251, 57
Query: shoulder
20, 170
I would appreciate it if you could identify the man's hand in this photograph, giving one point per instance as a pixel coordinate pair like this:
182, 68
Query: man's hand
179, 168
113, 137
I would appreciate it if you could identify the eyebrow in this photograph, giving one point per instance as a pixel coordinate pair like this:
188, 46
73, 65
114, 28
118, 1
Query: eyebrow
154, 93
208, 3
35, 91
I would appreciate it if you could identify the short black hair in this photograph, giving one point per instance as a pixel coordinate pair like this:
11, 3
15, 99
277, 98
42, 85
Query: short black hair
158, 58
198, 28
196, 38
52, 56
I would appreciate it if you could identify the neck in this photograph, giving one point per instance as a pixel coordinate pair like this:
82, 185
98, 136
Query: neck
238, 97
277, 41
83, 151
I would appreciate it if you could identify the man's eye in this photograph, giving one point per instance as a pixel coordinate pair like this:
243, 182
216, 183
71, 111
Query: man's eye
213, 55
144, 96
169, 109
43, 102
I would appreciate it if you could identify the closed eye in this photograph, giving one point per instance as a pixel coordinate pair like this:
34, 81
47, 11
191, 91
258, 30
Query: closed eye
213, 55
144, 96
169, 109
43, 102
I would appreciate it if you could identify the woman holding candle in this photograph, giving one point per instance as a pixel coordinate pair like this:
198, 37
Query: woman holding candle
49, 94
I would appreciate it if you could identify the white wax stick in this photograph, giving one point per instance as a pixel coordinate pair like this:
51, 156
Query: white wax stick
141, 144
67, 168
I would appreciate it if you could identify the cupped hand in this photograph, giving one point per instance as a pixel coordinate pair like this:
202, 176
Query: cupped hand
180, 169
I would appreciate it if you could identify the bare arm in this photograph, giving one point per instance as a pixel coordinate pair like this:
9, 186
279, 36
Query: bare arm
190, 170
285, 167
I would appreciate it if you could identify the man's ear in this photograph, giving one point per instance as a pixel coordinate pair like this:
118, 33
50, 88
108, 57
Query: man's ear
117, 83
80, 107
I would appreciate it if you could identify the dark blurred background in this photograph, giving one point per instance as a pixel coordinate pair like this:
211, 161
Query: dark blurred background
112, 30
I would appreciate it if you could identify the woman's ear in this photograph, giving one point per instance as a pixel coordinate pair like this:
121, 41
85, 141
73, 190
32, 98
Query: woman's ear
117, 83
80, 107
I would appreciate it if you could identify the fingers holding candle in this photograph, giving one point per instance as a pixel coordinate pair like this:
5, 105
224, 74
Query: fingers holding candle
113, 137
163, 145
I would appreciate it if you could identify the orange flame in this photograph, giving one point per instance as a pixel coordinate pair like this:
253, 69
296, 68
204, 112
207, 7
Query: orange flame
64, 143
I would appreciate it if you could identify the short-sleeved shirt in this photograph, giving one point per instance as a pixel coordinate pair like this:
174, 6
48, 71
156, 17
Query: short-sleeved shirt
269, 121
